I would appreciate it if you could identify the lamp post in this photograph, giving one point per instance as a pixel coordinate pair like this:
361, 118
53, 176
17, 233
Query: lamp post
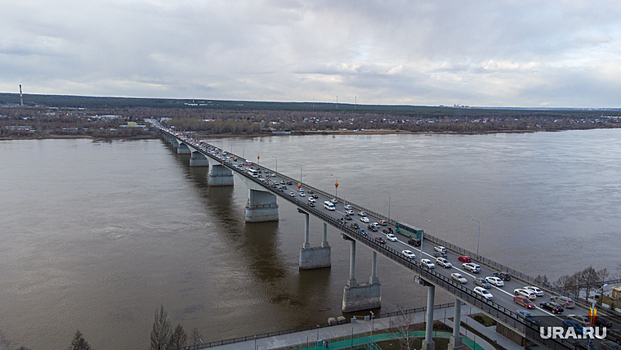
276, 163
372, 323
479, 236
422, 240
388, 204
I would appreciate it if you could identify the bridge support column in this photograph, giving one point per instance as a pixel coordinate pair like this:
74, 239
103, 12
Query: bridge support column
183, 149
357, 297
198, 159
455, 342
174, 142
314, 257
261, 207
373, 279
428, 343
222, 176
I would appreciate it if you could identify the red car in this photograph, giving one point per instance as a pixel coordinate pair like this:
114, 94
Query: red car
522, 300
465, 259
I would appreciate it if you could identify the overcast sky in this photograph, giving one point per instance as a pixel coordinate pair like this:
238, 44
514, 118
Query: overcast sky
477, 53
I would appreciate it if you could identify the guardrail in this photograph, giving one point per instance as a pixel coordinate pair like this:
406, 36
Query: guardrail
493, 309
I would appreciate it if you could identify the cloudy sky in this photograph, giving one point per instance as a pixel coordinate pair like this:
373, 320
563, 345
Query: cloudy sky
478, 53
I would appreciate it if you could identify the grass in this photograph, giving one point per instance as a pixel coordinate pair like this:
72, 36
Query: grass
483, 319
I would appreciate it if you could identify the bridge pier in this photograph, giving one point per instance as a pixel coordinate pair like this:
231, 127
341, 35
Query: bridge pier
428, 343
183, 149
174, 142
357, 297
220, 176
455, 341
198, 159
314, 257
261, 207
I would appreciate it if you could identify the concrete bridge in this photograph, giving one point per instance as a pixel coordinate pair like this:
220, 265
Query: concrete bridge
265, 186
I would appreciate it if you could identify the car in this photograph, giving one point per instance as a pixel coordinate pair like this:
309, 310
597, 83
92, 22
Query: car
524, 301
363, 232
439, 254
408, 253
502, 275
414, 241
380, 240
538, 292
347, 206
551, 306
387, 230
528, 317
372, 228
443, 262
311, 199
482, 283
377, 226
292, 194
284, 188
347, 217
427, 263
566, 302
391, 237
575, 325
495, 281
311, 204
383, 222
289, 183
354, 226
302, 194
483, 292
524, 292
465, 258
440, 249
334, 200
459, 278
472, 267
364, 219
602, 322
349, 212
583, 320
316, 197
610, 345
342, 221
361, 213
309, 191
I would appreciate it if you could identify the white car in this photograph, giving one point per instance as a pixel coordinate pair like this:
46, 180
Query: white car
472, 267
383, 222
444, 263
361, 213
459, 278
483, 292
302, 194
311, 199
376, 225
408, 253
495, 281
364, 219
349, 212
427, 263
292, 194
391, 237
347, 206
525, 292
334, 200
538, 292
440, 249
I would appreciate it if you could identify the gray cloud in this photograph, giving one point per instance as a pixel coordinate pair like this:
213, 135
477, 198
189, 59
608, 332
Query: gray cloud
502, 53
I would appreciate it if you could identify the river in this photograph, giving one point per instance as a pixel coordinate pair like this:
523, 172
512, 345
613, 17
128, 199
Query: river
96, 236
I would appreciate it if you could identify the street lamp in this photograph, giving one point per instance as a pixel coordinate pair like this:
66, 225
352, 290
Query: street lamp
388, 204
422, 240
372, 323
601, 296
276, 163
479, 236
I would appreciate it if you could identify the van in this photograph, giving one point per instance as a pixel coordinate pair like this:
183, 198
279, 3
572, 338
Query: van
329, 205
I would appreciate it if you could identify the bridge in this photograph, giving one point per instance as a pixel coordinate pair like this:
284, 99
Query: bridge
266, 185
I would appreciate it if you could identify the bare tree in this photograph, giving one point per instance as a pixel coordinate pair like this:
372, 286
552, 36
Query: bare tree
404, 325
178, 339
78, 342
196, 336
160, 334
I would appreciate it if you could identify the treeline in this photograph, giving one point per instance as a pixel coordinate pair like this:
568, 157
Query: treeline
164, 337
217, 126
585, 280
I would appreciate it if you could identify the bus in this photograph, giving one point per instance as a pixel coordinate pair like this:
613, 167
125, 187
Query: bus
408, 230
329, 205
253, 173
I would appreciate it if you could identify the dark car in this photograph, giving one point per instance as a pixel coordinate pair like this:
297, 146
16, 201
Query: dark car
380, 240
439, 254
289, 183
503, 276
482, 283
311, 204
610, 345
528, 317
387, 230
414, 241
372, 228
602, 322
552, 306
354, 226
363, 232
